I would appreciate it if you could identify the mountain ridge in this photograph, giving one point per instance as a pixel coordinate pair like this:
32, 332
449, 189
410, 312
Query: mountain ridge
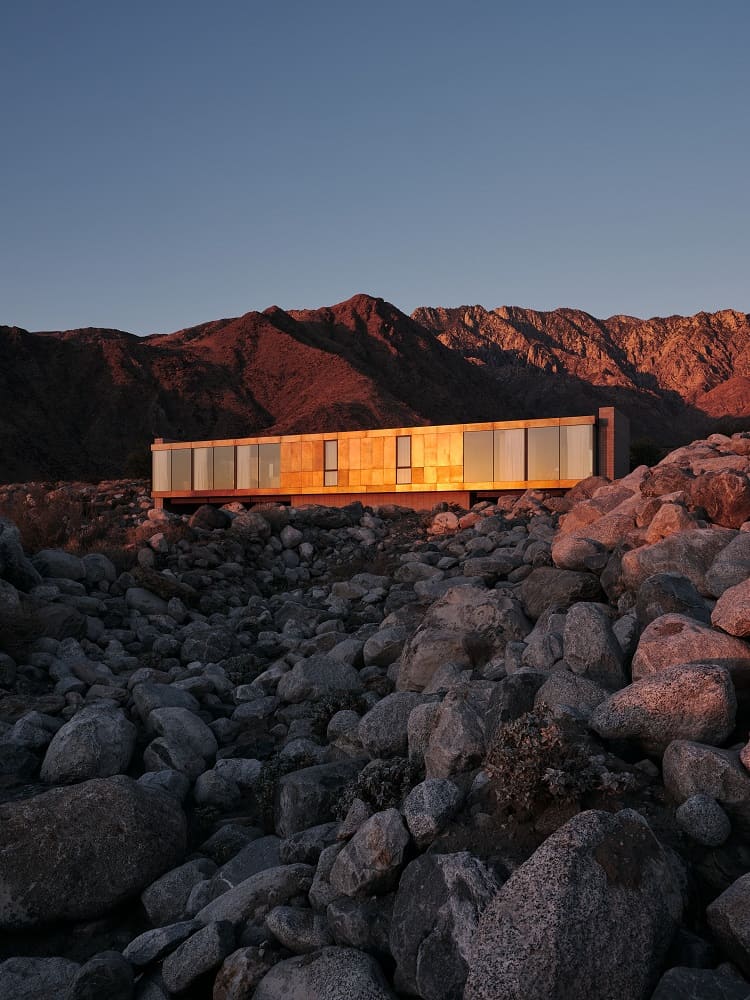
75, 403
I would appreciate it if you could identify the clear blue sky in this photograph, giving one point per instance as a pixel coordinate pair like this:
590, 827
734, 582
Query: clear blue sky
166, 162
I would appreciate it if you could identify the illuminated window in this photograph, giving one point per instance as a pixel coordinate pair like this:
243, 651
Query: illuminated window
478, 457
162, 471
203, 468
544, 453
330, 463
182, 468
247, 467
576, 451
510, 455
224, 467
403, 458
269, 466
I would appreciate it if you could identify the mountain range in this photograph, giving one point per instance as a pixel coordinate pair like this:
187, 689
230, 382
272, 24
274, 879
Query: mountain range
77, 403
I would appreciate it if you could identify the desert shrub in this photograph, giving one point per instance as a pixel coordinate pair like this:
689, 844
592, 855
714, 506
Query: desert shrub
325, 708
382, 784
264, 791
537, 759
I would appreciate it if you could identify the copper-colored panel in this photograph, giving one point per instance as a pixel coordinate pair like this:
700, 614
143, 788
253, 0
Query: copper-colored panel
444, 474
291, 456
366, 453
317, 458
389, 453
343, 453
430, 474
343, 478
377, 452
306, 461
457, 448
456, 473
355, 453
417, 475
443, 449
430, 449
355, 477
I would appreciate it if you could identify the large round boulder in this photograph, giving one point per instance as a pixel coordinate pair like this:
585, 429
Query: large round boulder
74, 853
95, 743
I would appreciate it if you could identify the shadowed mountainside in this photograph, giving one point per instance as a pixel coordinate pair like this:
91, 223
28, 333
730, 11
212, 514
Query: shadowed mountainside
76, 403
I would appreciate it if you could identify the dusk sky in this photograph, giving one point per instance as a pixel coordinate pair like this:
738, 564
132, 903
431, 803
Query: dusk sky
166, 163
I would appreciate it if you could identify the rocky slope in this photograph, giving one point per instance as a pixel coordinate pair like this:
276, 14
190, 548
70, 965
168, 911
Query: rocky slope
295, 753
77, 403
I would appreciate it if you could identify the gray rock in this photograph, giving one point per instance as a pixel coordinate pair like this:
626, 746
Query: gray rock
669, 593
14, 566
695, 702
703, 819
155, 944
732, 610
563, 688
250, 526
301, 931
383, 730
165, 899
107, 974
428, 807
305, 847
321, 893
317, 677
257, 895
163, 754
466, 626
385, 646
95, 743
56, 563
331, 973
36, 978
731, 566
120, 834
729, 919
689, 554
458, 741
257, 856
206, 647
98, 568
590, 647
203, 951
676, 639
362, 923
700, 984
371, 862
142, 600
422, 720
240, 974
308, 797
695, 769
598, 871
149, 696
546, 586
170, 782
435, 917
183, 727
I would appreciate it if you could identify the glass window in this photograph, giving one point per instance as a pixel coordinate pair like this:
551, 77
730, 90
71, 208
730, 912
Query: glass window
161, 473
269, 466
403, 458
203, 468
330, 463
182, 469
224, 467
576, 451
544, 453
510, 455
247, 467
478, 464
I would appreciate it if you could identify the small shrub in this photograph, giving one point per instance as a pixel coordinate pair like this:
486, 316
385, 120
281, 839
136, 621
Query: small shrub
382, 784
536, 760
325, 708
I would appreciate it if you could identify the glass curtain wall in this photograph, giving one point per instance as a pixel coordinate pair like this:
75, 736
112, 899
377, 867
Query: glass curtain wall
247, 466
182, 478
510, 455
478, 457
203, 468
543, 454
162, 471
269, 466
576, 451
224, 467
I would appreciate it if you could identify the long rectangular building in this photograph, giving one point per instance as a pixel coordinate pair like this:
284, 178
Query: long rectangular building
414, 466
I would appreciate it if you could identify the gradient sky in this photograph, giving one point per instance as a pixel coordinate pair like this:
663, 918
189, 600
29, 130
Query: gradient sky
166, 162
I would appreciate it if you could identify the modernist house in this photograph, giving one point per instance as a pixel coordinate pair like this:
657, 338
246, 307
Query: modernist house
414, 466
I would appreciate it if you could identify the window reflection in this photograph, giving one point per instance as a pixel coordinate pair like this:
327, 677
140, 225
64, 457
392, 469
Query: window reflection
543, 453
510, 455
478, 456
203, 468
162, 467
181, 469
576, 451
330, 463
247, 467
269, 466
224, 467
403, 458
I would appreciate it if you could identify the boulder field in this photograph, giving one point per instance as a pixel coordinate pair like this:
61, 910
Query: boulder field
497, 754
